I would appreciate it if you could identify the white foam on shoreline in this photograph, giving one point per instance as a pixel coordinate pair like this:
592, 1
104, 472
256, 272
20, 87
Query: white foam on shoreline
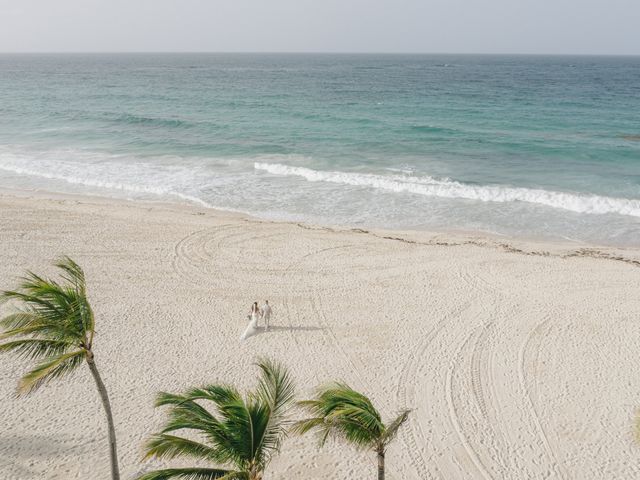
99, 176
201, 183
428, 186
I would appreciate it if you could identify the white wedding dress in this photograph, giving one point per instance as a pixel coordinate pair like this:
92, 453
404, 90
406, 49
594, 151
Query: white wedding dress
252, 327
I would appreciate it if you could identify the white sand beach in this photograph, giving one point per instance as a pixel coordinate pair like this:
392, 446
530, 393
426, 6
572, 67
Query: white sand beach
519, 359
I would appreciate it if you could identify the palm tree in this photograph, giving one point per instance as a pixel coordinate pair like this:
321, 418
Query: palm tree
341, 412
243, 434
54, 324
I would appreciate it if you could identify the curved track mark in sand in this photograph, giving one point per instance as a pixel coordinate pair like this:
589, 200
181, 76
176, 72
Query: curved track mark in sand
454, 416
531, 406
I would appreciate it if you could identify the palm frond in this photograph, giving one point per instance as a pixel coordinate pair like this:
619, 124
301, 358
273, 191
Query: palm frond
189, 415
308, 424
228, 432
391, 429
218, 394
352, 429
35, 306
213, 393
18, 319
39, 328
244, 432
276, 392
261, 445
314, 405
73, 273
63, 308
166, 398
276, 387
318, 424
193, 474
236, 435
169, 446
35, 348
236, 476
50, 370
339, 411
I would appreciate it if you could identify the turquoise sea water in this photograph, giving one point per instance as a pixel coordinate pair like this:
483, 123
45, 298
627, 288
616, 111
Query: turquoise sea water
532, 146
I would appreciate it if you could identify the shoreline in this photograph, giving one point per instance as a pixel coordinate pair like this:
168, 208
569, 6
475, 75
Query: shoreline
445, 238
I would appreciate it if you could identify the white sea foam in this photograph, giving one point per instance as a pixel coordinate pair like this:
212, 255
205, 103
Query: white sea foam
223, 183
131, 177
591, 204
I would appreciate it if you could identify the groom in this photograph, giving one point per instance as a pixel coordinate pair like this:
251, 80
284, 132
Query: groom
266, 313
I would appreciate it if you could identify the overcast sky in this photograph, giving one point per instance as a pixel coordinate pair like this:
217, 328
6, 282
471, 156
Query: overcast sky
457, 26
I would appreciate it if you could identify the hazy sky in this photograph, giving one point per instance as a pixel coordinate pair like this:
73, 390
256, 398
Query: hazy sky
473, 26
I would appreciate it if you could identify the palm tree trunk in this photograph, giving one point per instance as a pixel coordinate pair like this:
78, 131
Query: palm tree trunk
115, 474
380, 465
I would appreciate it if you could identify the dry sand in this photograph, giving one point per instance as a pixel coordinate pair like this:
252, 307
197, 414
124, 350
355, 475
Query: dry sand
520, 360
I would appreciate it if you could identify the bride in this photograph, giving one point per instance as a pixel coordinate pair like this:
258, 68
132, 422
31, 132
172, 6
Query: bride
253, 322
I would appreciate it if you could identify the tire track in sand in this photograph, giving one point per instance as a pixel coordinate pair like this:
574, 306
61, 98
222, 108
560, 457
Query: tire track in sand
412, 394
414, 436
454, 415
535, 338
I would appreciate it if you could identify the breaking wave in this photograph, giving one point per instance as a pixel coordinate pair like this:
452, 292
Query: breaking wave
428, 186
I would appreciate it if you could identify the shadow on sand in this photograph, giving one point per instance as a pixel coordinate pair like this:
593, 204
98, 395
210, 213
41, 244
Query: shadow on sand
20, 452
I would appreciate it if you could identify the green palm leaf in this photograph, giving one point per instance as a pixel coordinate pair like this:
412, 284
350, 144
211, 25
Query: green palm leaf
17, 320
242, 432
236, 435
50, 325
54, 324
192, 474
37, 329
50, 370
392, 429
189, 414
339, 411
276, 390
73, 273
168, 446
35, 348
51, 310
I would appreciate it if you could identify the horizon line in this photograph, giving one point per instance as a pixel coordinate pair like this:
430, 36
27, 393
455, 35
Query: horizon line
247, 52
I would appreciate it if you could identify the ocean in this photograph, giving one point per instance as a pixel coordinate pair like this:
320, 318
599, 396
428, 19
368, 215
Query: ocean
544, 147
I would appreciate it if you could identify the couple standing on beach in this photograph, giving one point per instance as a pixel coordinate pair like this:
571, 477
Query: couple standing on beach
256, 314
